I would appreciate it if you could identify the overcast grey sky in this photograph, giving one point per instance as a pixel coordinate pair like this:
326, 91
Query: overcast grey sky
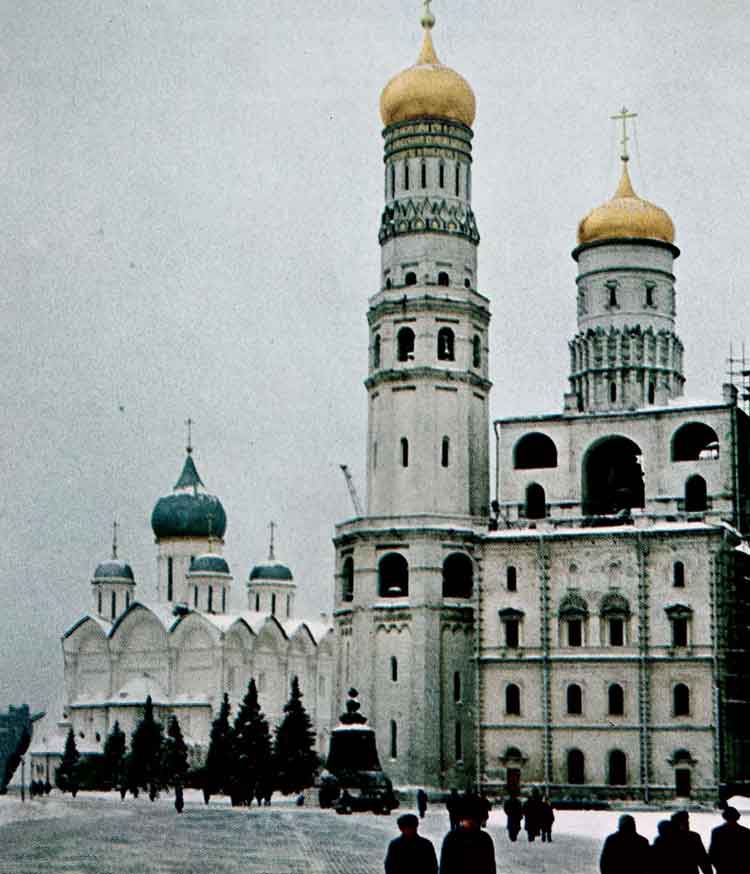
191, 192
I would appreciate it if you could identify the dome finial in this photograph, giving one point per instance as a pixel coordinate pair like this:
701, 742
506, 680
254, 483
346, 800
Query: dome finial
189, 422
271, 526
114, 539
623, 115
427, 52
428, 19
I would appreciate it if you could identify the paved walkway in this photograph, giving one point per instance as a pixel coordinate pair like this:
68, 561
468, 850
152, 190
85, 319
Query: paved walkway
90, 835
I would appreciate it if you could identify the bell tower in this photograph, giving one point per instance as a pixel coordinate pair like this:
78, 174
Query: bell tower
407, 571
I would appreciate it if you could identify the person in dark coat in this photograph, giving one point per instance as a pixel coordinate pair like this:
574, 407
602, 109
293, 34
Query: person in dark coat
729, 850
452, 805
468, 848
531, 813
625, 851
546, 819
688, 853
421, 803
514, 813
410, 852
662, 847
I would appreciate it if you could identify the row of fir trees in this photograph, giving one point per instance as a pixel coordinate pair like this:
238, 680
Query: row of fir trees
243, 760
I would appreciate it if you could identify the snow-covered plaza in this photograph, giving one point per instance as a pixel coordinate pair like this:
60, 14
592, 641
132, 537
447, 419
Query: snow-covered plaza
99, 834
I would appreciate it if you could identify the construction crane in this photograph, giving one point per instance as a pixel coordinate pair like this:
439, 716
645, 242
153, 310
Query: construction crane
358, 509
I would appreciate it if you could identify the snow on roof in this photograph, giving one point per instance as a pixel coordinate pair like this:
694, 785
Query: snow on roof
318, 629
104, 624
587, 531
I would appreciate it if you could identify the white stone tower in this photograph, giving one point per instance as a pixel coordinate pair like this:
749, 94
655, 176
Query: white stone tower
271, 587
625, 353
407, 571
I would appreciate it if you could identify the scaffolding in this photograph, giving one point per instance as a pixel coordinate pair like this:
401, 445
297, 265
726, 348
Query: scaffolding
739, 376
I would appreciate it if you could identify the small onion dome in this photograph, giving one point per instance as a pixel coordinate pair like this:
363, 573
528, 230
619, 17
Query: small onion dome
427, 90
626, 216
210, 563
113, 569
189, 511
271, 570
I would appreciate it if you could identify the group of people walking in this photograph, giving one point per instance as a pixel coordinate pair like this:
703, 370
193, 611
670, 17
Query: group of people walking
536, 813
676, 849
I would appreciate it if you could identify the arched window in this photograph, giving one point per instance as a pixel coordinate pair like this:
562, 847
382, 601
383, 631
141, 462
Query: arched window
405, 343
127, 600
694, 441
615, 700
695, 494
617, 770
445, 452
511, 578
512, 700
681, 700
393, 576
678, 575
273, 604
170, 578
534, 450
423, 174
441, 174
257, 601
376, 351
406, 175
476, 350
410, 278
444, 279
211, 599
99, 602
612, 477
347, 579
458, 179
404, 452
389, 283
651, 393
288, 606
459, 743
445, 344
576, 771
467, 282
574, 699
114, 604
195, 597
458, 576
394, 669
393, 180
394, 739
612, 392
536, 502
457, 687
224, 601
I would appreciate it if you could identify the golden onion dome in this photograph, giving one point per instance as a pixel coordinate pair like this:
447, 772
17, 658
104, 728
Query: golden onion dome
428, 89
626, 215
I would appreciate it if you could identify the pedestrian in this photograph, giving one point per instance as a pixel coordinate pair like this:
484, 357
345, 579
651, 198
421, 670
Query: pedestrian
663, 846
421, 802
514, 813
410, 853
452, 805
729, 850
179, 800
625, 851
688, 853
546, 818
531, 815
467, 848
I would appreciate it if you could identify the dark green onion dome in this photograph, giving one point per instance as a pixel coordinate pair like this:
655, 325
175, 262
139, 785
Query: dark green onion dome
113, 569
272, 570
209, 563
189, 511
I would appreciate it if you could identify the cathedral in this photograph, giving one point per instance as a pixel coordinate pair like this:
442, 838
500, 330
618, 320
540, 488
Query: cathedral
186, 648
586, 629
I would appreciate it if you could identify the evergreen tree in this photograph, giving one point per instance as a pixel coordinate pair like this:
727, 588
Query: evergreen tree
216, 771
114, 757
250, 749
294, 746
175, 759
146, 753
66, 775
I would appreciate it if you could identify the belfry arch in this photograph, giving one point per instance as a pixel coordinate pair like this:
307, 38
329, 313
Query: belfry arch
612, 477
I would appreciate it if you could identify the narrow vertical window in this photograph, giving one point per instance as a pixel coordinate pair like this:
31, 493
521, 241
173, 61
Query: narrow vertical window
99, 604
376, 351
574, 700
404, 452
459, 743
127, 600
678, 575
273, 605
257, 603
651, 392
394, 739
394, 669
458, 179
476, 348
393, 180
223, 600
681, 700
445, 452
114, 604
210, 599
406, 175
512, 636
613, 391
374, 454
195, 597
468, 182
511, 579
288, 606
457, 687
512, 700
616, 700
441, 174
170, 578
423, 172
679, 632
616, 632
575, 632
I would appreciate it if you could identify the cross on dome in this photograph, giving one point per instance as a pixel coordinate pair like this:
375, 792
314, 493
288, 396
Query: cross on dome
623, 115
